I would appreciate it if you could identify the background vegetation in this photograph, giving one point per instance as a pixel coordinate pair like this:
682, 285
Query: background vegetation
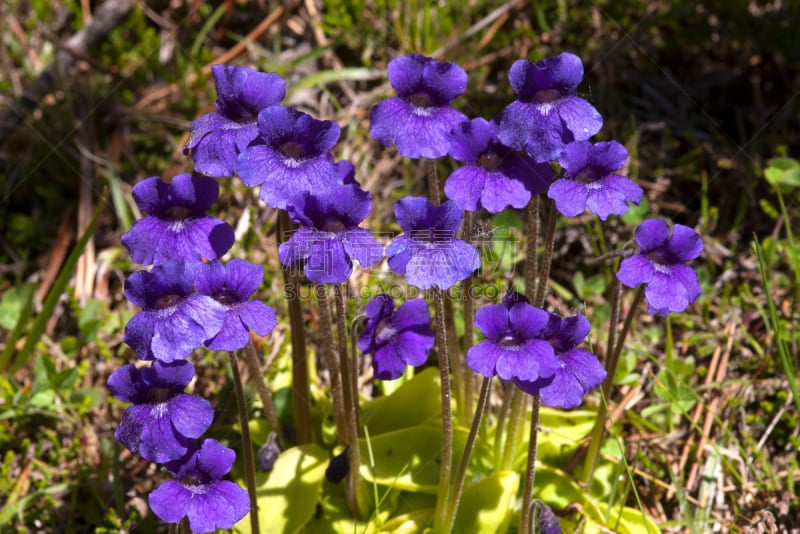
704, 95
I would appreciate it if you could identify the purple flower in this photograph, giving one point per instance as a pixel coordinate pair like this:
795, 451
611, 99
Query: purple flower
232, 285
330, 238
494, 176
590, 180
428, 254
173, 321
396, 338
547, 116
671, 285
419, 119
578, 371
176, 226
217, 138
291, 155
161, 418
513, 347
198, 491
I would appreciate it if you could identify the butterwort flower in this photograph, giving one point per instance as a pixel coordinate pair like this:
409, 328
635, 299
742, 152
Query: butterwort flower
419, 119
198, 491
162, 418
547, 116
330, 238
590, 180
495, 176
513, 348
291, 155
670, 286
216, 139
578, 371
232, 285
173, 320
428, 253
176, 226
396, 338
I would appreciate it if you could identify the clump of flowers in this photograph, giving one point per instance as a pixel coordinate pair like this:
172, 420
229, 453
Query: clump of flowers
176, 226
428, 253
396, 338
419, 119
670, 285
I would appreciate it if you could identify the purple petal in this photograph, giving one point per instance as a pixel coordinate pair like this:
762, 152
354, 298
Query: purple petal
564, 391
243, 92
139, 333
493, 321
585, 367
174, 376
604, 201
243, 278
413, 313
635, 270
651, 234
469, 139
580, 117
387, 363
665, 294
190, 415
465, 186
575, 157
170, 501
396, 122
413, 347
214, 459
159, 441
570, 196
483, 357
213, 510
405, 73
685, 244
398, 253
129, 430
609, 156
257, 316
526, 320
499, 191
122, 384
362, 246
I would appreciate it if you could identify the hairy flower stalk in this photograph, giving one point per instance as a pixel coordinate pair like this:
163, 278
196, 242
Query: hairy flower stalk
247, 444
257, 375
355, 490
445, 468
301, 391
332, 362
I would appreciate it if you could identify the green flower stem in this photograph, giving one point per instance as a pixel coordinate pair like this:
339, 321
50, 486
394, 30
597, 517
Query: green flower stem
461, 474
301, 390
355, 490
538, 301
530, 471
443, 500
247, 444
612, 360
257, 375
332, 362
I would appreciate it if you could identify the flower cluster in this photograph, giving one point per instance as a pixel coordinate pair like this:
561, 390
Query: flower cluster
190, 299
